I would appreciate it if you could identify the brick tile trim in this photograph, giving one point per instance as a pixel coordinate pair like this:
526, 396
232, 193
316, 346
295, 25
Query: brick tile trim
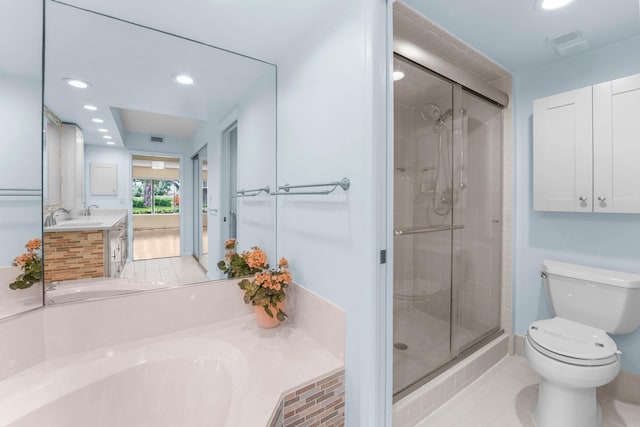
319, 403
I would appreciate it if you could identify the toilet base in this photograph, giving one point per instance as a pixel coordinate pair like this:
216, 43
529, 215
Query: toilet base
566, 407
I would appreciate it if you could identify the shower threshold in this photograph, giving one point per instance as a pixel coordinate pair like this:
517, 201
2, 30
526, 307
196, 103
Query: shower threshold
470, 350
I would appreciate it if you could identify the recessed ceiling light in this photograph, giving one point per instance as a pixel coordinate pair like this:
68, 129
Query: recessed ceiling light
103, 130
184, 79
552, 4
77, 83
90, 107
96, 120
106, 137
398, 75
110, 143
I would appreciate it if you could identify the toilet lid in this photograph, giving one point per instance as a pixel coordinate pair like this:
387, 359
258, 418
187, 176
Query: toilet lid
573, 342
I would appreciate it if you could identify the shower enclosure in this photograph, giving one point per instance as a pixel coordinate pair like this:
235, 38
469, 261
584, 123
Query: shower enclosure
447, 223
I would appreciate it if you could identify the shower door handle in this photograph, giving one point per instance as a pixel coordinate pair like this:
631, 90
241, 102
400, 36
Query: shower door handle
405, 231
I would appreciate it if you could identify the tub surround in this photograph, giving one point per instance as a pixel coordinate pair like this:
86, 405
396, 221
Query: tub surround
19, 300
306, 349
22, 342
320, 402
277, 360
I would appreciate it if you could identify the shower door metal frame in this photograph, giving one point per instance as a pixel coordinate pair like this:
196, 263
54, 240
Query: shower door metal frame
457, 354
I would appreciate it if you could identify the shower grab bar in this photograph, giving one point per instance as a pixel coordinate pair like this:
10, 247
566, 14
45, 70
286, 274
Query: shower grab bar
252, 193
344, 183
427, 230
27, 192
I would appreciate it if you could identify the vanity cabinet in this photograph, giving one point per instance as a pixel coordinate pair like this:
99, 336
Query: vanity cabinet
586, 149
116, 249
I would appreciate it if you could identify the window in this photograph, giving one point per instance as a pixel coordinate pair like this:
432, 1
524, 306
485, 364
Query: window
155, 196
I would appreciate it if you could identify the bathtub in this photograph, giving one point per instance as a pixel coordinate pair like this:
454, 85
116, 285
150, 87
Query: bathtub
194, 382
84, 289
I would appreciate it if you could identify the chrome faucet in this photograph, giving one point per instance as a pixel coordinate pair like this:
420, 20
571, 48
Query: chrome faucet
87, 212
51, 218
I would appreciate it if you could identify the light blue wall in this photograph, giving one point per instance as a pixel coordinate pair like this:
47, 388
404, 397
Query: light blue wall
601, 240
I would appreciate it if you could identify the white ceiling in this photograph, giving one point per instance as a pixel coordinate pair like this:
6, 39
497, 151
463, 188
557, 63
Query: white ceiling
158, 124
514, 33
131, 67
262, 29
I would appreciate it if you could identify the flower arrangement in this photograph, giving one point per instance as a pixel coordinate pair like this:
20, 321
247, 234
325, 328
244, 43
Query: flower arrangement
31, 264
243, 264
267, 289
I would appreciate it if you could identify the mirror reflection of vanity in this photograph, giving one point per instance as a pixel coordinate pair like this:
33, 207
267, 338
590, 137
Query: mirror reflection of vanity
94, 216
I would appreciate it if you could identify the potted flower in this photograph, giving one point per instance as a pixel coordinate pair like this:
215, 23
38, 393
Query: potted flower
243, 264
263, 288
31, 264
266, 292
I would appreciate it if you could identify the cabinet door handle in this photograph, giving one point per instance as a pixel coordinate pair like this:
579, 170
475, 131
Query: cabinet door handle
582, 198
602, 199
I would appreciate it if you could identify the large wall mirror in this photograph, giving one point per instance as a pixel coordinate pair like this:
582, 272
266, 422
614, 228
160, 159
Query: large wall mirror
156, 150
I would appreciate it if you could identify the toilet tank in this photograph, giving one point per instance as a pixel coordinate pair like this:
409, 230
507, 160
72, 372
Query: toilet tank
605, 299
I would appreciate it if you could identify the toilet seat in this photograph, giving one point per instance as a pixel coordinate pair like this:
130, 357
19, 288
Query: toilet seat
572, 342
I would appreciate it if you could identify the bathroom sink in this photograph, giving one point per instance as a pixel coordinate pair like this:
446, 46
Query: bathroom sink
78, 224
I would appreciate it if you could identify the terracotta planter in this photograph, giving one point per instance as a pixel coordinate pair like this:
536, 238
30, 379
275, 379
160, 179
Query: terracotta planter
263, 319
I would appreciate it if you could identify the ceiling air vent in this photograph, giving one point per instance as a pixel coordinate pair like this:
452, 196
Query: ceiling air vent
569, 43
157, 139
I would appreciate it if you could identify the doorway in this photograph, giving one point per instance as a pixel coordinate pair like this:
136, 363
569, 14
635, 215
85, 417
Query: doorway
200, 220
155, 206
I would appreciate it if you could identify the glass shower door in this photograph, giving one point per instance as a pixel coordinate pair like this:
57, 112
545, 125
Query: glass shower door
447, 223
423, 223
477, 247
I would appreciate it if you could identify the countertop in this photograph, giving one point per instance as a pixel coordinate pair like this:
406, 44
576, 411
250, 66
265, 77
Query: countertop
98, 220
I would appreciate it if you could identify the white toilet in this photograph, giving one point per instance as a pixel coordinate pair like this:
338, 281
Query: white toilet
572, 352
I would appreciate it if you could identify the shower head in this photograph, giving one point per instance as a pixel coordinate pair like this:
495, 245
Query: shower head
430, 112
444, 116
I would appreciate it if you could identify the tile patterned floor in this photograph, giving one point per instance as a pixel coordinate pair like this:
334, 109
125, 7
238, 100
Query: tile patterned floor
504, 397
174, 270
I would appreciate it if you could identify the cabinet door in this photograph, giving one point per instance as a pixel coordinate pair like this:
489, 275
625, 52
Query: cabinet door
616, 145
562, 152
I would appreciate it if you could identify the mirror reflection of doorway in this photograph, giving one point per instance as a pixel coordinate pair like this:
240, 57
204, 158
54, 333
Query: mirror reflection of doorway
155, 199
201, 237
230, 218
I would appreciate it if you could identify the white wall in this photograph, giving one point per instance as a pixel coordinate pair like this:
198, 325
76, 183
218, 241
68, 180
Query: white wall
122, 159
257, 166
326, 131
600, 240
20, 162
256, 120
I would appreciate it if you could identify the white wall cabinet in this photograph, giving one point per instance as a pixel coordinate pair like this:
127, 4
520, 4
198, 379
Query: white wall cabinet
586, 149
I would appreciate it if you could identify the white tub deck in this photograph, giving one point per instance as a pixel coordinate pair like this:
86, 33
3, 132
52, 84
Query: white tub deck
262, 364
